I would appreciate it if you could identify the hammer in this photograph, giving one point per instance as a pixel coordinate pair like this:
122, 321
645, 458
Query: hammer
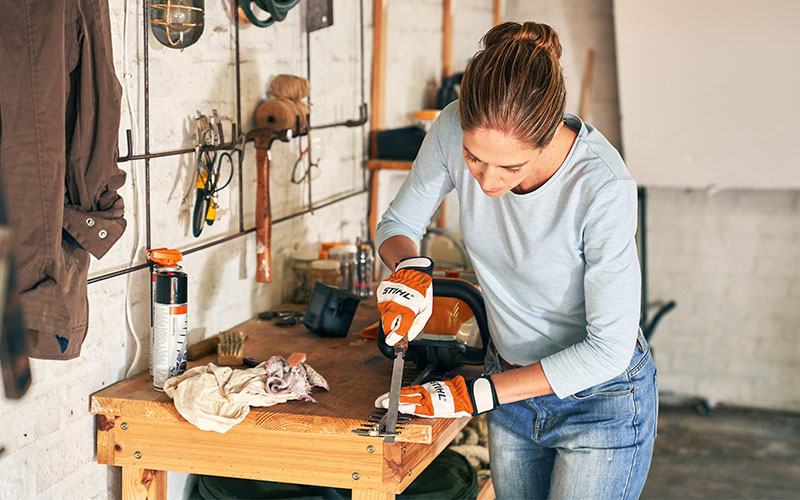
264, 137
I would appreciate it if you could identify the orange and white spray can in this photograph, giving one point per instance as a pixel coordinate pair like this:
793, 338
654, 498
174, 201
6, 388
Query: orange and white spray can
168, 316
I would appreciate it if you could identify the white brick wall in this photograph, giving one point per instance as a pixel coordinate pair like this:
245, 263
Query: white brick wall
49, 435
729, 259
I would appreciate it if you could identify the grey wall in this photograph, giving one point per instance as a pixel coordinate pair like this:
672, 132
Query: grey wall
728, 257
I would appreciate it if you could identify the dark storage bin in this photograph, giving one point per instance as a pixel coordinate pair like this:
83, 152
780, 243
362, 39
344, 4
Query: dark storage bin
399, 144
330, 311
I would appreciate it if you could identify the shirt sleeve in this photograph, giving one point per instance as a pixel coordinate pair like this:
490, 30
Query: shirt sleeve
425, 187
612, 289
93, 209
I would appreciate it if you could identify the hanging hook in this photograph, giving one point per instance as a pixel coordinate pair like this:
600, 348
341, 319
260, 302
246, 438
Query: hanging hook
225, 146
362, 119
127, 157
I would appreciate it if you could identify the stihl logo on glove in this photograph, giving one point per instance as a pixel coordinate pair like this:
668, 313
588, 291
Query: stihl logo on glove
405, 299
402, 293
446, 399
440, 391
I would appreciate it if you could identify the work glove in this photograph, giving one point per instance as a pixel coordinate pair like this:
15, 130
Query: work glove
446, 399
405, 299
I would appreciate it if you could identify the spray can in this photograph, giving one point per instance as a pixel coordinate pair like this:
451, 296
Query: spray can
168, 316
159, 259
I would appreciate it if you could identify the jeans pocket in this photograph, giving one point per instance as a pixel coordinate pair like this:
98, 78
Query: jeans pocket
617, 386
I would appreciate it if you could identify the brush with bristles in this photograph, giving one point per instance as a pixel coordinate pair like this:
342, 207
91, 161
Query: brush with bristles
230, 349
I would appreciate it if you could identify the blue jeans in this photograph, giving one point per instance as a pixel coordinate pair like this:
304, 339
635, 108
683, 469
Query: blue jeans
595, 444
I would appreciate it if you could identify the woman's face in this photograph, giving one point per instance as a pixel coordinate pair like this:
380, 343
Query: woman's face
499, 162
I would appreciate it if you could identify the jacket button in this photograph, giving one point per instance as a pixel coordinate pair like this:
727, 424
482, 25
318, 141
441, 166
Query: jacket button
89, 221
102, 234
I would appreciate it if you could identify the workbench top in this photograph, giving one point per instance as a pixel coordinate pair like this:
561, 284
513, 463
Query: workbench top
139, 429
354, 368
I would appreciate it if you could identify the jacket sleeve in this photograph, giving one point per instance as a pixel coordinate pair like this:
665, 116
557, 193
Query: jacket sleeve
612, 290
425, 187
93, 211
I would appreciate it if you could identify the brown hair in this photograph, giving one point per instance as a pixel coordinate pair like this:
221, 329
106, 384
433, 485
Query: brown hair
514, 84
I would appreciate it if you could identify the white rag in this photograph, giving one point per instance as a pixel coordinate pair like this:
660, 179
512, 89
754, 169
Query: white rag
215, 398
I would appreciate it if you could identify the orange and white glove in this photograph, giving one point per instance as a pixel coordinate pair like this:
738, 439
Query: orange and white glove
446, 399
405, 299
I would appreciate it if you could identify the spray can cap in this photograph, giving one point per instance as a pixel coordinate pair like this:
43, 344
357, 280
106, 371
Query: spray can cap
166, 257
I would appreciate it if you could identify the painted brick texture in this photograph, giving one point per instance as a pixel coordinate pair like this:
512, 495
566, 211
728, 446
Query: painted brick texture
49, 435
729, 259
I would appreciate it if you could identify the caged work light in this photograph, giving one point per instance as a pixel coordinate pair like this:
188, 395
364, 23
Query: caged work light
177, 23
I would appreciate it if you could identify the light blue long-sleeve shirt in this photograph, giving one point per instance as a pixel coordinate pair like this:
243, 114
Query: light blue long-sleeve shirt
557, 267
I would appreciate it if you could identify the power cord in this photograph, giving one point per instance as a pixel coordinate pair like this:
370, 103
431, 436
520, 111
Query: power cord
135, 247
306, 171
277, 10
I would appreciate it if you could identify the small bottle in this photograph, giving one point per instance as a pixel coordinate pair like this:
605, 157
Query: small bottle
325, 271
301, 264
365, 270
346, 257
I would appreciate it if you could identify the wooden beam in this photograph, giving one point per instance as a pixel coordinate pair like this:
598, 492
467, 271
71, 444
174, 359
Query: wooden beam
441, 222
378, 65
143, 484
378, 98
447, 39
586, 90
487, 490
372, 495
105, 438
373, 211
389, 165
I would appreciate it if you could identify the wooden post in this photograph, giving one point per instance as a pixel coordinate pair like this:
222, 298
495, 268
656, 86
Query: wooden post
447, 57
263, 219
447, 39
143, 484
378, 66
497, 9
372, 495
586, 90
378, 95
373, 206
486, 491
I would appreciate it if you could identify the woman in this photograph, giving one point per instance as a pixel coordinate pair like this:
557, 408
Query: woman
548, 216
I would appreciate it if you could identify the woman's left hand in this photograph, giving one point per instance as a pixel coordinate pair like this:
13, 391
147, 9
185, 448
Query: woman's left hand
446, 399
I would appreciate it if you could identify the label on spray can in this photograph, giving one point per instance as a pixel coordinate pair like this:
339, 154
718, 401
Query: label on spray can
169, 327
152, 307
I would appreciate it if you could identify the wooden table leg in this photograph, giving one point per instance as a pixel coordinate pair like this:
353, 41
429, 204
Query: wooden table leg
487, 490
143, 484
372, 495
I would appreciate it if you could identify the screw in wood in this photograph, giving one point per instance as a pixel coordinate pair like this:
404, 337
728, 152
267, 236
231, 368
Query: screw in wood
370, 449
356, 476
137, 454
124, 426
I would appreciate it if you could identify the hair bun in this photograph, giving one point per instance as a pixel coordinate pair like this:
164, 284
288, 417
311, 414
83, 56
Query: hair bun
536, 34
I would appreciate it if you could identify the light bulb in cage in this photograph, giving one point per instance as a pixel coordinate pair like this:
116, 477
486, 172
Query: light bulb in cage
177, 23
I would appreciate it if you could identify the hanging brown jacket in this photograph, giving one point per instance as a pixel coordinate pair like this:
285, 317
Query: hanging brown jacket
59, 113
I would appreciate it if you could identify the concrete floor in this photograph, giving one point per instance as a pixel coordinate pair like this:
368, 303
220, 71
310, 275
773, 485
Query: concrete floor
730, 453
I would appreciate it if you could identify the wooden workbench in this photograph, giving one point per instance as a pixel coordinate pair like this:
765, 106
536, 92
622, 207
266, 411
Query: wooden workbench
300, 442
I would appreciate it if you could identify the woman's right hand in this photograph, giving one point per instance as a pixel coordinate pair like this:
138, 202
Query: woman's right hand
405, 299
